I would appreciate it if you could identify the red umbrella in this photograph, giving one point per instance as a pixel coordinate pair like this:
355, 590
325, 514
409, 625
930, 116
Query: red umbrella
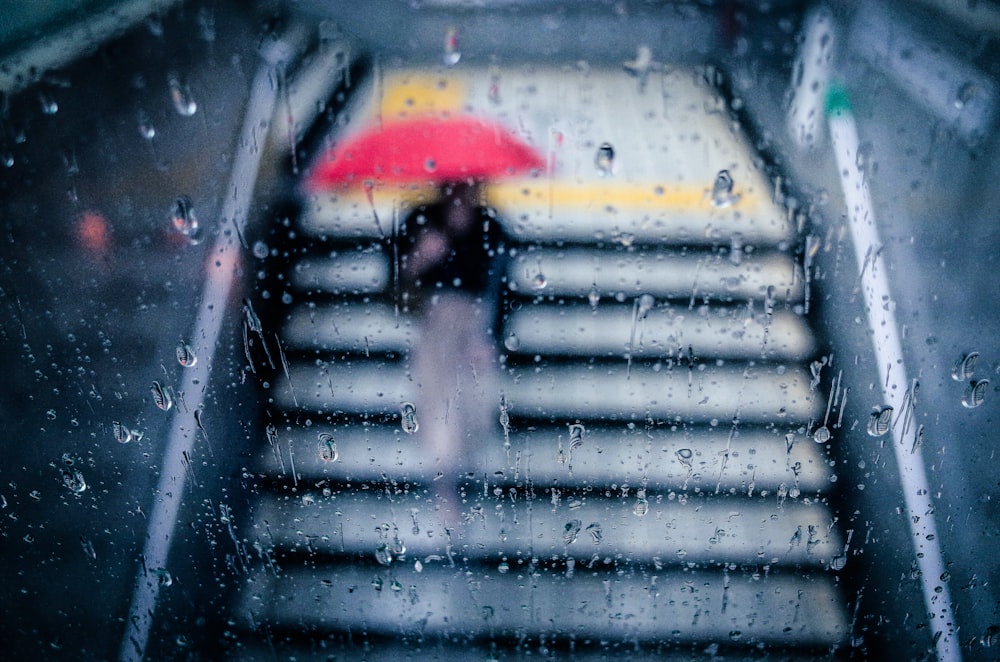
427, 149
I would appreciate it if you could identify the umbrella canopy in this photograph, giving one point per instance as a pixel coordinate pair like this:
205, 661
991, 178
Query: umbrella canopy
427, 149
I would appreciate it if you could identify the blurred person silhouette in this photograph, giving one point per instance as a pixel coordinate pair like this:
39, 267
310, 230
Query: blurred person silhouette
452, 262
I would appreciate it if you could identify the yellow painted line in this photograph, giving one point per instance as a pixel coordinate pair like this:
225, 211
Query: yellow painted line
598, 196
527, 194
415, 94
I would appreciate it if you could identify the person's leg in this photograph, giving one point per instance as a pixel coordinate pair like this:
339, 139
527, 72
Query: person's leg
455, 367
436, 360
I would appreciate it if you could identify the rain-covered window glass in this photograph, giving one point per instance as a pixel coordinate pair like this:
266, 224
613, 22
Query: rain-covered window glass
451, 329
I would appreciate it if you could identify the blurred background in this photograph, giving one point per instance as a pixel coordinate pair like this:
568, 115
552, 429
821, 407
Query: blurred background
126, 152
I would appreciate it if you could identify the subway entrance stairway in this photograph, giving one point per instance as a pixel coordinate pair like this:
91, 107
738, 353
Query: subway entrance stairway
657, 482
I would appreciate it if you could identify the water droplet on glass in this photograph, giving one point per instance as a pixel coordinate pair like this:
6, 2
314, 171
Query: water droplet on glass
975, 393
451, 53
684, 456
604, 159
594, 297
260, 250
163, 577
643, 305
161, 398
186, 356
512, 343
327, 447
575, 436
430, 165
382, 554
48, 104
503, 568
184, 220
571, 531
145, 126
821, 435
408, 418
594, 529
641, 506
122, 434
539, 281
965, 367
180, 95
880, 421
722, 190
73, 480
966, 92
736, 248
396, 546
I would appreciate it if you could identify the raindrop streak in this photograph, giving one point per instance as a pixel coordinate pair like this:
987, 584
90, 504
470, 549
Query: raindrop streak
251, 324
880, 421
640, 309
408, 418
643, 305
183, 218
965, 367
161, 398
571, 531
73, 480
722, 190
271, 432
505, 423
327, 447
186, 356
975, 393
88, 548
494, 93
180, 95
604, 160
684, 456
201, 426
641, 65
